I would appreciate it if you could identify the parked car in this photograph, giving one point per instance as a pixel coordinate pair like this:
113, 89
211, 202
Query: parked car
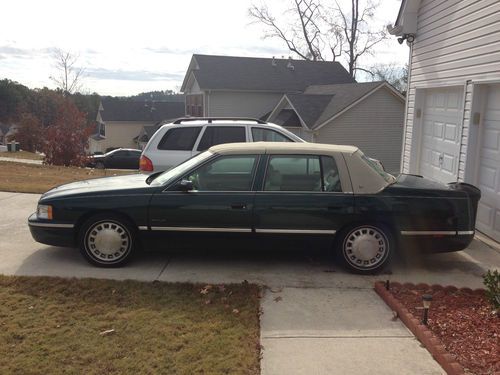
260, 191
120, 158
176, 142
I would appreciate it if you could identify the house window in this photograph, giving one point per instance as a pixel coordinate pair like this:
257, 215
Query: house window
102, 129
194, 105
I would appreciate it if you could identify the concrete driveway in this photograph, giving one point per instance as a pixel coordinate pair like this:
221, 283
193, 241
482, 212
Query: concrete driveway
20, 255
317, 318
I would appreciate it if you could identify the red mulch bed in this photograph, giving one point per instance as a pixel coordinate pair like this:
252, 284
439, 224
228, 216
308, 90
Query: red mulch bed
462, 319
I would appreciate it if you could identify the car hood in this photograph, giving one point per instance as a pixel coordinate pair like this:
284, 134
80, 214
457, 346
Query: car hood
99, 186
407, 184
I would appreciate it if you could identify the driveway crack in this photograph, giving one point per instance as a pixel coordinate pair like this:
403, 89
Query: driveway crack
163, 268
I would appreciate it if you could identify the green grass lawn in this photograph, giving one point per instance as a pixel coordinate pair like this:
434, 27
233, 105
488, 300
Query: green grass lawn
55, 326
30, 178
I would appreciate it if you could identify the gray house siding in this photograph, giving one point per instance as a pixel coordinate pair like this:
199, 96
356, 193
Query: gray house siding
457, 44
371, 125
244, 104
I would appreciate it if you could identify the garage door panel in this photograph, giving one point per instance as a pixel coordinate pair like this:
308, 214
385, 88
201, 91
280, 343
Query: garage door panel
441, 137
488, 216
450, 133
488, 177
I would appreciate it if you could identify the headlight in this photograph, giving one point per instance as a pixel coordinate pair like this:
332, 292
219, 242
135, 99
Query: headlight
44, 212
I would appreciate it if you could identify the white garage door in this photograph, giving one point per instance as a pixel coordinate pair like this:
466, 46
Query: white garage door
440, 147
488, 216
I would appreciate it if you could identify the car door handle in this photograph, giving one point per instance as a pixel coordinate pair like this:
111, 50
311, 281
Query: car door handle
238, 206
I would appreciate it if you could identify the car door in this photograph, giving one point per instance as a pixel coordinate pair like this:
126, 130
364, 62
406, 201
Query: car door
175, 146
221, 199
112, 160
132, 161
302, 194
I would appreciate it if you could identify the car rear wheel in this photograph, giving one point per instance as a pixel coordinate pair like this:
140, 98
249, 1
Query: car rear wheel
107, 240
365, 249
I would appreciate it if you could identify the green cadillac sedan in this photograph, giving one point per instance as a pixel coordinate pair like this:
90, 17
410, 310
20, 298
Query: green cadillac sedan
261, 192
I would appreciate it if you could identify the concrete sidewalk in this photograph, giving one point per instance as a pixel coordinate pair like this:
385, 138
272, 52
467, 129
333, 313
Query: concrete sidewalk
336, 331
19, 160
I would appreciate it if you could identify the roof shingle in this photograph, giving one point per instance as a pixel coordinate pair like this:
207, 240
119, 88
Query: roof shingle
261, 74
127, 110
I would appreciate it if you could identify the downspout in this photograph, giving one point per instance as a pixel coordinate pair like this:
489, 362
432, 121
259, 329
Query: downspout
208, 103
405, 119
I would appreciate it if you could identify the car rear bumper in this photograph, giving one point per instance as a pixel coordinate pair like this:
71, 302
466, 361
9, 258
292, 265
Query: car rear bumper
55, 234
438, 243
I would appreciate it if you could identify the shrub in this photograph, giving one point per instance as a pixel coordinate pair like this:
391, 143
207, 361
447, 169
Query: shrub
67, 139
491, 280
29, 133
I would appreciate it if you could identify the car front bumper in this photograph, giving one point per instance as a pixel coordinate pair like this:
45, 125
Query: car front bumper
50, 233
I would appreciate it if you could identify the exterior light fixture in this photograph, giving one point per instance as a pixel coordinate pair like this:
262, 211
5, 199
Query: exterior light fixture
426, 300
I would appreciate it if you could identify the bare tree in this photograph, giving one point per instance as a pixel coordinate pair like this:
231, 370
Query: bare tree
303, 36
69, 75
395, 74
316, 30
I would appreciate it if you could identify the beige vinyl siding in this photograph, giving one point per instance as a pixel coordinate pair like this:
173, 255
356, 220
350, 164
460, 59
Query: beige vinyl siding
375, 125
457, 43
244, 104
121, 134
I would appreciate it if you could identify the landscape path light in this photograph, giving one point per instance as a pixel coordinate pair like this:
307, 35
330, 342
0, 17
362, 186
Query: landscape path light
426, 300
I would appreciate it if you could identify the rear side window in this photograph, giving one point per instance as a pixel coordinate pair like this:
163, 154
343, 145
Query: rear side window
302, 173
216, 135
268, 135
293, 173
180, 139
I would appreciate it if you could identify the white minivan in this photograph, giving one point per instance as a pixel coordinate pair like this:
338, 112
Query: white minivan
176, 142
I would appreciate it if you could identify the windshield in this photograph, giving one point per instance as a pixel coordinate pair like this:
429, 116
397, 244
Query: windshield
180, 169
377, 167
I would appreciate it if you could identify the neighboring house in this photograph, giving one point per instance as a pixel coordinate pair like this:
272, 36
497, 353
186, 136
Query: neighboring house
452, 121
7, 132
121, 123
4, 129
248, 86
368, 115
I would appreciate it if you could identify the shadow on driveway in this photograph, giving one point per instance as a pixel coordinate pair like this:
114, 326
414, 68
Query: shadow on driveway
272, 267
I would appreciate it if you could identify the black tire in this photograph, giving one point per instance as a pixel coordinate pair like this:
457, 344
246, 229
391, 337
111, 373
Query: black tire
107, 240
99, 165
365, 248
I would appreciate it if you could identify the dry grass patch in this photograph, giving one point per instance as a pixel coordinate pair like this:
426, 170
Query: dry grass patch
55, 326
31, 178
22, 155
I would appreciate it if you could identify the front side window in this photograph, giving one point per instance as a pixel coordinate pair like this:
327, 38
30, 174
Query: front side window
227, 173
216, 135
268, 135
179, 139
302, 173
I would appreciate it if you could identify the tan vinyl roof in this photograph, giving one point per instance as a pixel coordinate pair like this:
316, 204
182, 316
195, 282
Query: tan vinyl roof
285, 147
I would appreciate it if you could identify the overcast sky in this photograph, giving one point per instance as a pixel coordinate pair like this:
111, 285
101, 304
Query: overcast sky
129, 47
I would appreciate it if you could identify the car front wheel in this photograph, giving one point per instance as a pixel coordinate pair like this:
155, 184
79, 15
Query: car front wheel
365, 249
107, 241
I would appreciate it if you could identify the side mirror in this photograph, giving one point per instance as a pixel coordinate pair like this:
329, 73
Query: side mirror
185, 185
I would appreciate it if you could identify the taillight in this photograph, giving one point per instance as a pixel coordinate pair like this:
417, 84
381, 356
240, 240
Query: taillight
145, 164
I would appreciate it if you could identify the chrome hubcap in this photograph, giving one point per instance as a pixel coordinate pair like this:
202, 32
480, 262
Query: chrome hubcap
108, 241
365, 247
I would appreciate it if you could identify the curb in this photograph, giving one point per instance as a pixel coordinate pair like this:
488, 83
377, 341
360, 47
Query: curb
423, 334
